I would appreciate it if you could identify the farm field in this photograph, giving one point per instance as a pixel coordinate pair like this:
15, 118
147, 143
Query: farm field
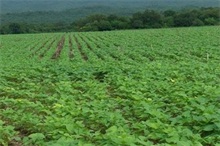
120, 88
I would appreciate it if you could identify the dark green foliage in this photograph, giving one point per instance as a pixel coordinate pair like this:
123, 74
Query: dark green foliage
169, 13
15, 28
101, 22
151, 19
120, 6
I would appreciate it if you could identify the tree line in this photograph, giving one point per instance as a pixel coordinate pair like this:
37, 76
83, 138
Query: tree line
139, 20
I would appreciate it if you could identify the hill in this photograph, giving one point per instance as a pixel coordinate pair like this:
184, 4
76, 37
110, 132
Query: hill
12, 6
67, 11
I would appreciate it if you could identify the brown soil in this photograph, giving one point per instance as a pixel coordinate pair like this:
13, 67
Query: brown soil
59, 48
71, 55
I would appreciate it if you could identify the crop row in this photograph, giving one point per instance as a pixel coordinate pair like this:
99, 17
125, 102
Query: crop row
136, 87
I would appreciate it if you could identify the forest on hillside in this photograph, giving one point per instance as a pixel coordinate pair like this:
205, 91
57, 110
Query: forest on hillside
122, 6
106, 22
68, 11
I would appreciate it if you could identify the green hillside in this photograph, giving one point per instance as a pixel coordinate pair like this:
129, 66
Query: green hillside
67, 11
10, 6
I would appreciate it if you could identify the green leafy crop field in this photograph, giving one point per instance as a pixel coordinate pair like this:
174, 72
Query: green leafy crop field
121, 88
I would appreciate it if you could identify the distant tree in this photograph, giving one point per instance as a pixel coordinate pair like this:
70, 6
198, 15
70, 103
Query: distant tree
210, 21
137, 16
15, 28
169, 13
168, 21
147, 19
4, 29
96, 17
104, 25
89, 27
137, 24
184, 19
118, 22
100, 22
112, 17
197, 22
151, 18
210, 13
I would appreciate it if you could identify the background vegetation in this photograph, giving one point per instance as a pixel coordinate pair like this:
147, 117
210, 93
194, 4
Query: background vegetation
139, 20
122, 6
